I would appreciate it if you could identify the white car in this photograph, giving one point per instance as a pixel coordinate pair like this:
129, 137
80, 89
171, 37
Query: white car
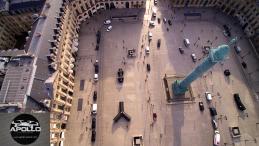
216, 140
150, 35
186, 42
147, 50
194, 58
107, 22
95, 77
94, 109
208, 96
151, 23
109, 28
164, 19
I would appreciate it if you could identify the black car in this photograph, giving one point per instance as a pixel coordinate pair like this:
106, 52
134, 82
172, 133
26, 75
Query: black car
181, 50
244, 65
97, 47
213, 111
158, 20
93, 123
169, 22
214, 124
98, 36
120, 79
227, 72
201, 106
93, 136
120, 72
158, 43
96, 68
148, 67
239, 103
95, 96
227, 30
226, 27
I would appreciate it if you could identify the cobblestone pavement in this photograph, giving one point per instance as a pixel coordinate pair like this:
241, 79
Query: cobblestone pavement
142, 92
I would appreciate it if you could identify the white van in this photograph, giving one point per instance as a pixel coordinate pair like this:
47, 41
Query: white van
147, 50
153, 12
95, 77
94, 109
186, 42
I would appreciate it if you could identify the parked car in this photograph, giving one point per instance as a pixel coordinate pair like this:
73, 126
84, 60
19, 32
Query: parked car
237, 49
206, 49
214, 124
97, 47
120, 79
93, 136
244, 65
213, 111
226, 31
181, 50
107, 22
186, 42
98, 37
170, 22
150, 36
164, 19
151, 23
94, 109
216, 140
148, 67
95, 96
208, 96
158, 43
120, 74
93, 123
158, 20
194, 58
201, 106
147, 50
95, 77
109, 28
154, 10
227, 72
239, 103
96, 67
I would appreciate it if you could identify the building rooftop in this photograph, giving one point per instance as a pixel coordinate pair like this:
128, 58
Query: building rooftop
2, 5
35, 65
22, 5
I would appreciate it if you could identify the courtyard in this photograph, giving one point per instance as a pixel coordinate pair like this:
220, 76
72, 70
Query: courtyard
178, 124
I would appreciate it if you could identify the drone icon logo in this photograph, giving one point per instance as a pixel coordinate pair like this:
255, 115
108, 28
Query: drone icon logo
25, 129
